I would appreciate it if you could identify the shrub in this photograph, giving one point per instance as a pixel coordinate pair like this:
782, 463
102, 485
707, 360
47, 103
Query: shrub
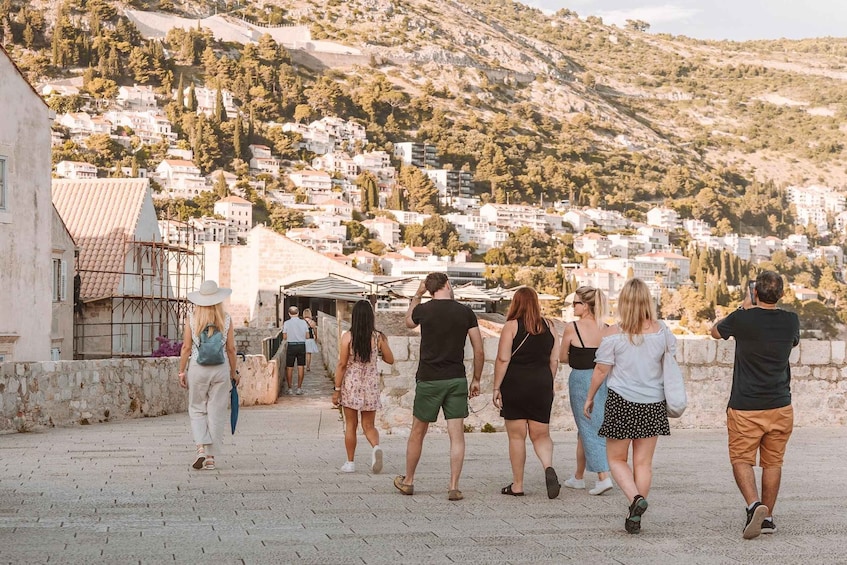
167, 347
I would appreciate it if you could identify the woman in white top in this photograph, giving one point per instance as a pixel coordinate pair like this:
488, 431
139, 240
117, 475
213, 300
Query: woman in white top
208, 385
311, 338
629, 359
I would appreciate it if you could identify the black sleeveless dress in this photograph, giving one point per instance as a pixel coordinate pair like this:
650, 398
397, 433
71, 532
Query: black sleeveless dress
527, 388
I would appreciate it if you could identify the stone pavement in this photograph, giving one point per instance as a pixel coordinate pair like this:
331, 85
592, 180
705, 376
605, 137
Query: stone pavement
125, 493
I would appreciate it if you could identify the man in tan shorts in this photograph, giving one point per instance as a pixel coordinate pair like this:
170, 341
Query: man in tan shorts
760, 418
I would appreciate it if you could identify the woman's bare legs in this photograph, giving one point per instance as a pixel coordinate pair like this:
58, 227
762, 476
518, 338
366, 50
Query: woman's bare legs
516, 430
351, 424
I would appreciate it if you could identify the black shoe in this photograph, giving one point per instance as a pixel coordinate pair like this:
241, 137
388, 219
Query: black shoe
768, 527
636, 510
552, 482
755, 516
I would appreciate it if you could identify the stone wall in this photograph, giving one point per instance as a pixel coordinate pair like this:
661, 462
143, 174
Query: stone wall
61, 393
819, 382
249, 340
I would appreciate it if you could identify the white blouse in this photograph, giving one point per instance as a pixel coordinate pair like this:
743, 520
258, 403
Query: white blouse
636, 372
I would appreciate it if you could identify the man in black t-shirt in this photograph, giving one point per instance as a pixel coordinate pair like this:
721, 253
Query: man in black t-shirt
759, 417
442, 384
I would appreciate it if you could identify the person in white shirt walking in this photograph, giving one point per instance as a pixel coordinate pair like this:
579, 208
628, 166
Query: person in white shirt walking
295, 331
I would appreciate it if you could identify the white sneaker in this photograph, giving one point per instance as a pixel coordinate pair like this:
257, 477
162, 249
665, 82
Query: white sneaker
299, 391
348, 467
601, 487
376, 460
575, 483
290, 391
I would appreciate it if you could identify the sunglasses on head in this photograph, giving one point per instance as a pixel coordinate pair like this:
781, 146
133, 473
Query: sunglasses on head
578, 302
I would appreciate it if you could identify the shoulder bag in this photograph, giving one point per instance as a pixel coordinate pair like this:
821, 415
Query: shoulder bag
675, 395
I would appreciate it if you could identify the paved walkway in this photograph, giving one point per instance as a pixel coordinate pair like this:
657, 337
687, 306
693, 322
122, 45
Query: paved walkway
124, 493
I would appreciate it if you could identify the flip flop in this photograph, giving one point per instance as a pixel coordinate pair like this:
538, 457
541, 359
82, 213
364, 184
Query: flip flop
508, 490
454, 494
552, 480
403, 487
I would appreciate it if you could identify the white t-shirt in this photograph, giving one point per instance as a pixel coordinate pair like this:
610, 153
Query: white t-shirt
636, 372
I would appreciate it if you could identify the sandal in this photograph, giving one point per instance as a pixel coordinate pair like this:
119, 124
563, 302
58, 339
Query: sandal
552, 480
201, 457
454, 494
508, 490
209, 464
636, 509
403, 487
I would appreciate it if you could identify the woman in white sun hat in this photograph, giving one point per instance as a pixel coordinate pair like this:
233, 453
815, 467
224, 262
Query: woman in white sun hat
208, 354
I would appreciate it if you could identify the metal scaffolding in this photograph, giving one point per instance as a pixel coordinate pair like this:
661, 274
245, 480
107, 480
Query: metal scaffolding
150, 301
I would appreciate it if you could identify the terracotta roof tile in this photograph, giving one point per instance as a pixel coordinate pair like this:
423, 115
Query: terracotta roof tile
102, 216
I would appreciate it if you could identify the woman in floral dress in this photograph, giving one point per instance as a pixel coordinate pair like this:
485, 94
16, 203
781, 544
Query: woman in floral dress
357, 382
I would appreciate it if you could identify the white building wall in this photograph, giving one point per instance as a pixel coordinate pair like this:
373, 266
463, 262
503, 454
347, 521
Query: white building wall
26, 304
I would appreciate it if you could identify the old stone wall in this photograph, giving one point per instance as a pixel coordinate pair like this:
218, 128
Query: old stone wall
61, 393
249, 340
819, 382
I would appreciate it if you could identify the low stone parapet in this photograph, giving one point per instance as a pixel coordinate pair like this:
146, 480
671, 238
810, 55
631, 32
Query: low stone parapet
62, 393
819, 383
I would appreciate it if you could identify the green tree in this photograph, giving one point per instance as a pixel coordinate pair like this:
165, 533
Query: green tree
368, 190
422, 192
436, 233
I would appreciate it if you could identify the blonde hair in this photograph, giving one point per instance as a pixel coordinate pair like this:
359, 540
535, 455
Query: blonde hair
205, 315
635, 307
596, 300
307, 313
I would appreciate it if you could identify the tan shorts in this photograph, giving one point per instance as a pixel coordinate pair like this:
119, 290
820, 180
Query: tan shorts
765, 431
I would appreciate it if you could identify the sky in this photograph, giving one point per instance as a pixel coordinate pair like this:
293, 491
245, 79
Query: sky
738, 20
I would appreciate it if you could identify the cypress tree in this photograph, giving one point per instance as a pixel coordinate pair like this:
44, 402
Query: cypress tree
236, 138
220, 111
191, 102
180, 95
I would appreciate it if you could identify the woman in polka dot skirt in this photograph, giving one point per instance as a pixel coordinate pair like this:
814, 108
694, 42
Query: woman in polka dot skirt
629, 360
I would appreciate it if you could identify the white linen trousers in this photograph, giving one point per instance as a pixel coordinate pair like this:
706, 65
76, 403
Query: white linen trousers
208, 397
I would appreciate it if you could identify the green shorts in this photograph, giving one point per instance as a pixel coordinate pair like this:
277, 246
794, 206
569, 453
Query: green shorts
451, 395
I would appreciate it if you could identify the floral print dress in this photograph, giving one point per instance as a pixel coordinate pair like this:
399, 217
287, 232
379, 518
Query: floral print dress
360, 387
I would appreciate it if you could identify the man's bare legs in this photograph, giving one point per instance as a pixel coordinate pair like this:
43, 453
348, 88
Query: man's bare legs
745, 478
456, 433
414, 448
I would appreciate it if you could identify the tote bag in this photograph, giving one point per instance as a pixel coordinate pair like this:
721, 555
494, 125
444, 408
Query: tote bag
675, 396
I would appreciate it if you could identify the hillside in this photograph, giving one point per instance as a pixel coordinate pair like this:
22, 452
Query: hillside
538, 106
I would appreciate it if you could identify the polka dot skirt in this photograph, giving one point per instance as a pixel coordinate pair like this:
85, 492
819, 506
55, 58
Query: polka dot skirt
632, 420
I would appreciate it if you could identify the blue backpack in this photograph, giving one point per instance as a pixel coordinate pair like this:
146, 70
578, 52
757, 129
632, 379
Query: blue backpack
210, 348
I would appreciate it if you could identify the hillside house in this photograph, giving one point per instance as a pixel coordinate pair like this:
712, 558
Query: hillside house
132, 286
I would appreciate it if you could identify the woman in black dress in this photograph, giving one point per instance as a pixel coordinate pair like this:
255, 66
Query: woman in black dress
527, 360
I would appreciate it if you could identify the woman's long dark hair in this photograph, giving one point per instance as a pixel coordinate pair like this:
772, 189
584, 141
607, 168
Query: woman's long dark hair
361, 330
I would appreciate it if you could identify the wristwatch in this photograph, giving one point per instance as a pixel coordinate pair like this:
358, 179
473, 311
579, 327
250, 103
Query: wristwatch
337, 389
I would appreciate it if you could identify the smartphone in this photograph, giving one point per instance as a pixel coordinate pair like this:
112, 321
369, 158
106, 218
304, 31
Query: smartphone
752, 287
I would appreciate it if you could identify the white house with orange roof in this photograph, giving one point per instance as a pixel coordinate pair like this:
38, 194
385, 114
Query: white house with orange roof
83, 123
136, 97
578, 219
126, 294
150, 126
317, 240
594, 244
337, 162
37, 253
238, 214
328, 223
336, 207
180, 179
319, 182
385, 230
77, 170
416, 252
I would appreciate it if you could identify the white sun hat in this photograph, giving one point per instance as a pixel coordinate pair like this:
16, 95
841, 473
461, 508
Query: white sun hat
209, 294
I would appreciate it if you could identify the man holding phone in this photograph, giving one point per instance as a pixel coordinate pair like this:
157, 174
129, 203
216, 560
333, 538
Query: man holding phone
759, 417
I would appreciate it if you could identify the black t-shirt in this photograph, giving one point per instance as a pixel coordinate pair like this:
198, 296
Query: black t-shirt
761, 378
444, 328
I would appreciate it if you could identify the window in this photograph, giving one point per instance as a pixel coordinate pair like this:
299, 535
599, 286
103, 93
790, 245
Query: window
60, 278
2, 182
